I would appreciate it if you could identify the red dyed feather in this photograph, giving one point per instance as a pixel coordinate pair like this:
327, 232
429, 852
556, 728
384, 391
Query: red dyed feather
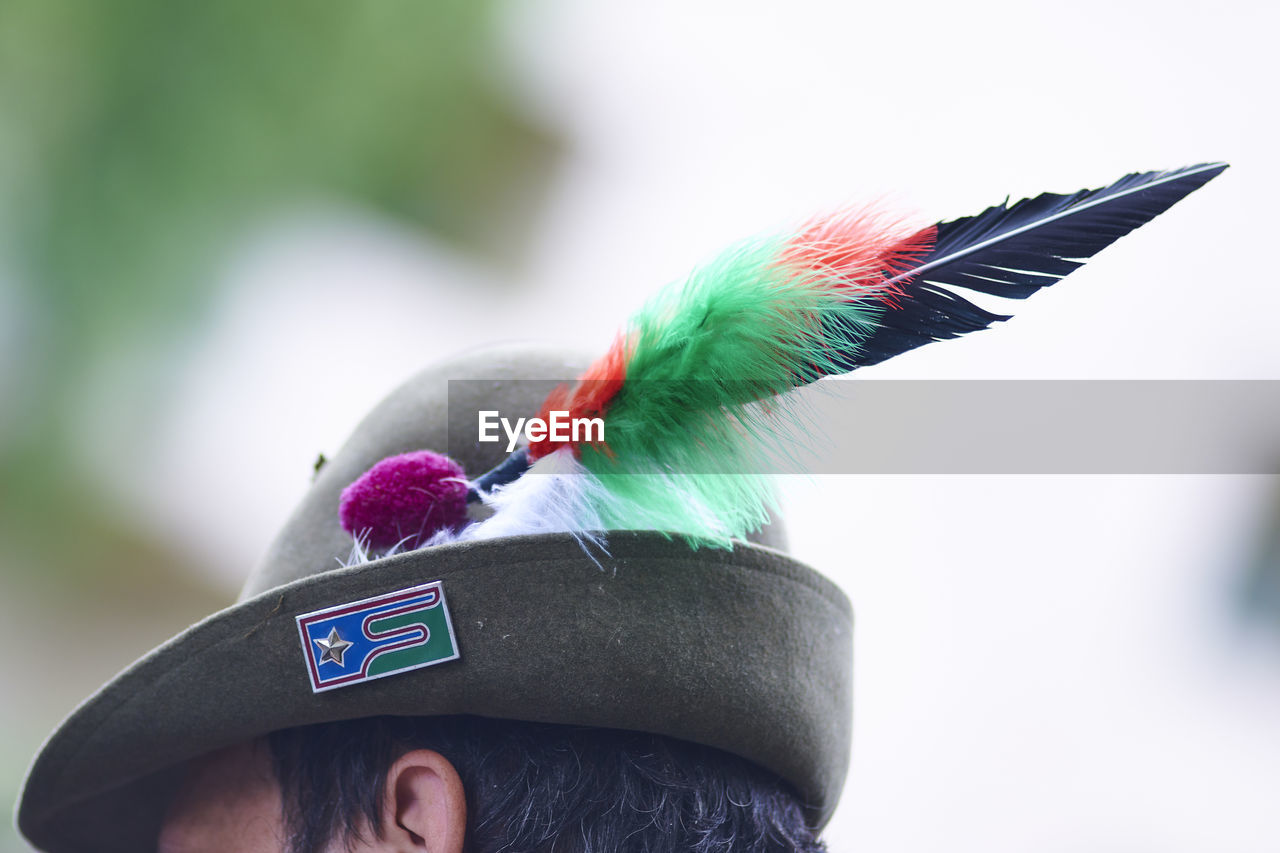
590, 395
861, 249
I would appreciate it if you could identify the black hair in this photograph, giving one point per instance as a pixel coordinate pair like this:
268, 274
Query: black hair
541, 788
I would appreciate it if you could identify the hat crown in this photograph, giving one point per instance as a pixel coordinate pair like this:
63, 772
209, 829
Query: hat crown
421, 414
434, 410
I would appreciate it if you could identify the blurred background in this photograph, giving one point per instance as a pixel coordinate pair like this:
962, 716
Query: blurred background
227, 229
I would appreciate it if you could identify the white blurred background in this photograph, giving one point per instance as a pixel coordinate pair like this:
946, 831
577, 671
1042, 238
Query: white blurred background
1042, 663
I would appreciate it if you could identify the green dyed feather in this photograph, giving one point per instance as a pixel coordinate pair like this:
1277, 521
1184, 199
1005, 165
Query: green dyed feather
702, 420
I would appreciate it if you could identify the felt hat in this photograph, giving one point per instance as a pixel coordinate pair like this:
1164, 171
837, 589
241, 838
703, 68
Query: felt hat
742, 649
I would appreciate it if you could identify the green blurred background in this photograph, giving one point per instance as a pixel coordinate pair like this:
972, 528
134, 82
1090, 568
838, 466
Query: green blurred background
140, 142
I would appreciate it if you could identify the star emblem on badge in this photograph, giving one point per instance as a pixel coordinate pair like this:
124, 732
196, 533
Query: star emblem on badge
333, 647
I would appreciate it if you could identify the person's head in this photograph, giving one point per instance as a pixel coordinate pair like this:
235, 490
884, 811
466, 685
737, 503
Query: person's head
455, 784
386, 680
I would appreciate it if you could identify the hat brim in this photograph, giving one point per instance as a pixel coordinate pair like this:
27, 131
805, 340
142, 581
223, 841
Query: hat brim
746, 650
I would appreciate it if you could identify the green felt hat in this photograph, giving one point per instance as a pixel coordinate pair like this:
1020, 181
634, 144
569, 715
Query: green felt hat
745, 650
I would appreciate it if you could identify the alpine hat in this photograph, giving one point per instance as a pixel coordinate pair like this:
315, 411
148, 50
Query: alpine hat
745, 649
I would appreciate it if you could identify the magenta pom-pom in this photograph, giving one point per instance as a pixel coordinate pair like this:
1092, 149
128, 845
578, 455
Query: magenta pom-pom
404, 500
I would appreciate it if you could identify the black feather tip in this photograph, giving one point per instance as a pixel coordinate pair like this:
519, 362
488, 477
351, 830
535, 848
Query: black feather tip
1012, 252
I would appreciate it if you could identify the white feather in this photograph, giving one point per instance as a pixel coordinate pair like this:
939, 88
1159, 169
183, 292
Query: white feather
555, 495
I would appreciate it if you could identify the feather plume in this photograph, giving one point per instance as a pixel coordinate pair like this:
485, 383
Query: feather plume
693, 392
691, 389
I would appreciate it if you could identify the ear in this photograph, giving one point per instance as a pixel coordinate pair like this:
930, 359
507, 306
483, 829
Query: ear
424, 807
